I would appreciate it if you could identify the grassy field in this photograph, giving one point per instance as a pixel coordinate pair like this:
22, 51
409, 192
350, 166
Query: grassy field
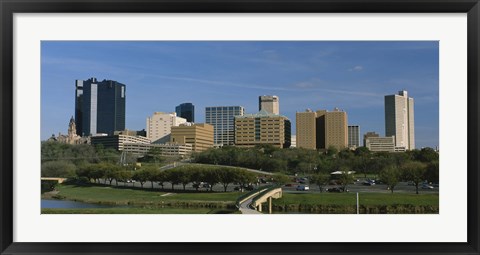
112, 195
366, 199
138, 210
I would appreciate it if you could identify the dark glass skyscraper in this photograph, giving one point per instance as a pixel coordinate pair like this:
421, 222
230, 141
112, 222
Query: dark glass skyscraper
186, 111
99, 106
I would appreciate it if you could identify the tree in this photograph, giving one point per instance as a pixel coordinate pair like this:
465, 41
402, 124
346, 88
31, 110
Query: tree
390, 176
173, 177
321, 179
211, 177
415, 172
280, 179
64, 169
244, 178
226, 176
124, 175
345, 177
432, 172
197, 176
160, 178
141, 176
110, 171
184, 176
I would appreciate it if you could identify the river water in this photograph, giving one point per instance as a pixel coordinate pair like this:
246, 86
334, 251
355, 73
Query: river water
47, 203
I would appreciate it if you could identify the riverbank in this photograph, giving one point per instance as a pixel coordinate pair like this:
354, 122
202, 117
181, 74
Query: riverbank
346, 203
141, 200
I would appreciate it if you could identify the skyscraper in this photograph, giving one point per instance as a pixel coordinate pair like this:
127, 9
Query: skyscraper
160, 124
353, 136
269, 104
399, 120
336, 131
186, 111
306, 131
99, 106
222, 118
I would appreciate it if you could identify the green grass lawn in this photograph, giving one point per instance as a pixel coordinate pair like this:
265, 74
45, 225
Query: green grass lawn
138, 210
365, 199
107, 194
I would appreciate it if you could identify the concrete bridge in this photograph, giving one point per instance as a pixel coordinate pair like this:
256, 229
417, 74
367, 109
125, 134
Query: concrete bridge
252, 204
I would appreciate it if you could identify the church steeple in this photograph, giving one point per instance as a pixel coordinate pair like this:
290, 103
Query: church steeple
72, 129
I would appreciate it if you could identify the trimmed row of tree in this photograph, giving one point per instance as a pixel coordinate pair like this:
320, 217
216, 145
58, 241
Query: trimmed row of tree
182, 175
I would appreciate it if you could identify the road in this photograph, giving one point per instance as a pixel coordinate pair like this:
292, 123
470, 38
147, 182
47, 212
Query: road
401, 187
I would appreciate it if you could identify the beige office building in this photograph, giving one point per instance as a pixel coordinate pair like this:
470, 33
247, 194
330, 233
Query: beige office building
262, 128
380, 144
336, 129
160, 124
167, 149
368, 135
269, 104
399, 120
306, 129
199, 135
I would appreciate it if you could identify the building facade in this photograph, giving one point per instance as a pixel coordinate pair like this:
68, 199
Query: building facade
367, 135
71, 137
199, 135
380, 144
99, 106
160, 124
186, 111
167, 149
269, 104
222, 118
118, 142
336, 130
353, 136
262, 128
306, 129
399, 120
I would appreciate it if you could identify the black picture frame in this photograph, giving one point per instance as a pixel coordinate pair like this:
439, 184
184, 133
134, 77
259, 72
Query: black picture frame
9, 7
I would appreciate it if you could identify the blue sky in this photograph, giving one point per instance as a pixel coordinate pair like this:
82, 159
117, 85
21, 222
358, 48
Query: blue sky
353, 76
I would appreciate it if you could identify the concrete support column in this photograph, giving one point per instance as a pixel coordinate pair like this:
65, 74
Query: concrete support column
270, 205
260, 207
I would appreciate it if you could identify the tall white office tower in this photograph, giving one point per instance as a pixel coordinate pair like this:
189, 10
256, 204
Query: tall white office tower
399, 120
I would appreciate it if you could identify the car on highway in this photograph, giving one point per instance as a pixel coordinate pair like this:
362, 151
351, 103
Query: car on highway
369, 183
427, 186
336, 189
303, 188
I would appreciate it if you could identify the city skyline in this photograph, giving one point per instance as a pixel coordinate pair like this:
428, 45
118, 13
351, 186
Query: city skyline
353, 76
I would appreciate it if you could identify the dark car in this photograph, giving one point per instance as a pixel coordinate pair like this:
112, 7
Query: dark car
336, 189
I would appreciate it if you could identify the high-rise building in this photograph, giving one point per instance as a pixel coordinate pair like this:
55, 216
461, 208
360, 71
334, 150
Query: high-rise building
222, 118
99, 106
353, 136
269, 104
399, 120
262, 128
367, 135
199, 135
306, 131
336, 131
186, 111
160, 124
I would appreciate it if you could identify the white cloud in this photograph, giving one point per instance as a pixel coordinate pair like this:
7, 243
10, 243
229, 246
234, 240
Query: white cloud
356, 69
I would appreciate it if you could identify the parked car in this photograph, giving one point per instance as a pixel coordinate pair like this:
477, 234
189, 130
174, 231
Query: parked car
303, 188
